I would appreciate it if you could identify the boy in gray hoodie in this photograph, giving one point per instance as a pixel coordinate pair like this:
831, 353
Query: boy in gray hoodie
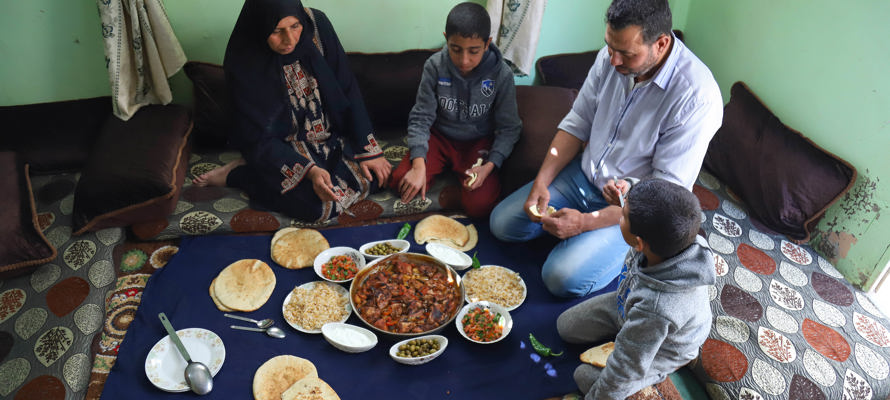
659, 316
465, 112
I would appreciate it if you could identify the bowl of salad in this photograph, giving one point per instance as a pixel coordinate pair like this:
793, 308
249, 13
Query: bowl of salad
484, 322
339, 264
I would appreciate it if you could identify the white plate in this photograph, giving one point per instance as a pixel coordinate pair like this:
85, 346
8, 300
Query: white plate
308, 286
165, 367
521, 283
449, 255
402, 244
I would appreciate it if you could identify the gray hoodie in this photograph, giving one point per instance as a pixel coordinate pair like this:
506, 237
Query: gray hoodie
466, 108
664, 314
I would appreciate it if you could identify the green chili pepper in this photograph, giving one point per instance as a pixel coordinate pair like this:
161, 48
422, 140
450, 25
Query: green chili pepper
541, 349
403, 233
476, 263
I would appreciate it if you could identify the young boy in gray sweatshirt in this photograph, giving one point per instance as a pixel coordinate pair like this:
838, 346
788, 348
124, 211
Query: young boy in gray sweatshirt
659, 316
465, 112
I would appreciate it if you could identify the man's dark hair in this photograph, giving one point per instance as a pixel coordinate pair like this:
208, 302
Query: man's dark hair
653, 16
468, 20
664, 214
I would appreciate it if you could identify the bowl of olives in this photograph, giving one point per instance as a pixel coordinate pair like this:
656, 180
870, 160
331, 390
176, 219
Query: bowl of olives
383, 248
419, 350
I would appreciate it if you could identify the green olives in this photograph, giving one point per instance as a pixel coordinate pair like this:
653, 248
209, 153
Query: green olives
382, 249
418, 348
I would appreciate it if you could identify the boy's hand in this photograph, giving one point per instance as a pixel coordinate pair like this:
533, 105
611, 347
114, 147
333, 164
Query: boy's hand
379, 166
321, 183
613, 190
481, 172
414, 181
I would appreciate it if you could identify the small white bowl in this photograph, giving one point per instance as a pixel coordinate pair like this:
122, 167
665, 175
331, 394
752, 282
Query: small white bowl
349, 338
443, 343
403, 245
506, 321
332, 252
453, 257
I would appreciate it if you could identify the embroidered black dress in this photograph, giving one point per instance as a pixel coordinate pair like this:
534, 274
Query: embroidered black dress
294, 112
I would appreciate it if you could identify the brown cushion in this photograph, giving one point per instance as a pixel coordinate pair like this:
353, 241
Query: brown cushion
211, 105
389, 82
22, 245
541, 109
135, 171
785, 179
54, 137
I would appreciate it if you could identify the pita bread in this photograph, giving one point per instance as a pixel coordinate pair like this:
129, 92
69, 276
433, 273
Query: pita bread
310, 388
446, 231
597, 356
279, 373
244, 285
534, 210
278, 234
298, 249
219, 305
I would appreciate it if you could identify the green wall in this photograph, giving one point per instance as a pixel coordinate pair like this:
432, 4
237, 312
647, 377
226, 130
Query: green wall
817, 64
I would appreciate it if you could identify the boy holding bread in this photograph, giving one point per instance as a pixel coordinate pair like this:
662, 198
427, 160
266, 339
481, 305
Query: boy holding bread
660, 314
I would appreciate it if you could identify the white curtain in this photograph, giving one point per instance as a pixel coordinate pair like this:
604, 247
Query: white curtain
141, 52
515, 27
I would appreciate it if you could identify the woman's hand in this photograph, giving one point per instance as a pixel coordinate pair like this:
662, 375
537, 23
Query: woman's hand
537, 199
321, 183
380, 167
481, 172
414, 181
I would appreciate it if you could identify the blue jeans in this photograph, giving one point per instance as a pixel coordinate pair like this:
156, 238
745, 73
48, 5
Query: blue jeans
581, 264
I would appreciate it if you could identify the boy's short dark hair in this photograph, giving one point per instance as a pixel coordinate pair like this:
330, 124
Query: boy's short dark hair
468, 20
653, 16
664, 214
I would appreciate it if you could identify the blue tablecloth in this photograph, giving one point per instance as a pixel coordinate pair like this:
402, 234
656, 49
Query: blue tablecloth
509, 369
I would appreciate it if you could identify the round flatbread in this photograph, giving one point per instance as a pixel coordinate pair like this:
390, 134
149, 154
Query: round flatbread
447, 231
278, 374
219, 305
298, 249
597, 356
310, 388
244, 285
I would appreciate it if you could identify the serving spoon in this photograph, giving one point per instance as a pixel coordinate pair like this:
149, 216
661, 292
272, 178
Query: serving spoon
197, 375
272, 331
263, 323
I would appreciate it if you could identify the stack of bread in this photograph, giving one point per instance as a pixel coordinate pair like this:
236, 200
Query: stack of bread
244, 285
289, 377
295, 248
447, 231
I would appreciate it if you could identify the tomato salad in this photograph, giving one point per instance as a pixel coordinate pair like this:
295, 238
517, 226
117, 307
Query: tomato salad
339, 268
481, 325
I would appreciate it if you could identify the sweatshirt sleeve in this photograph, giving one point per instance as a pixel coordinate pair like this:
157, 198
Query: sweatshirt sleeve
423, 114
507, 124
636, 345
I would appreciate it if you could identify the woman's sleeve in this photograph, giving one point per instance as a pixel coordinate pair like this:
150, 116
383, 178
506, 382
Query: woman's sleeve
359, 132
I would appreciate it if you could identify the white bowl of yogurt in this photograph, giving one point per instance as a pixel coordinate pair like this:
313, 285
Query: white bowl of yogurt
349, 338
453, 257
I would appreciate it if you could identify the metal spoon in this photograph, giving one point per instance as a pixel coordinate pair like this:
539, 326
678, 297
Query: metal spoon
197, 375
263, 323
272, 331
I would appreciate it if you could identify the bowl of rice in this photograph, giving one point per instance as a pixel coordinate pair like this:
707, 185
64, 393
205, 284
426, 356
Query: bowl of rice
495, 284
311, 305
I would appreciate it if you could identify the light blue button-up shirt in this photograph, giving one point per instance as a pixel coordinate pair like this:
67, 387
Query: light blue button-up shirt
659, 129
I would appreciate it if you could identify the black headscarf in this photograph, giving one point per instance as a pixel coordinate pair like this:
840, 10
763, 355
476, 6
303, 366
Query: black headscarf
254, 71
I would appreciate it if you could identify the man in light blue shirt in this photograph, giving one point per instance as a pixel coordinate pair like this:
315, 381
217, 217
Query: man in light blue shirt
648, 108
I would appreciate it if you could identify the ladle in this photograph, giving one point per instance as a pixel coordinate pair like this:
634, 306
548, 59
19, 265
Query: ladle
272, 331
263, 323
197, 375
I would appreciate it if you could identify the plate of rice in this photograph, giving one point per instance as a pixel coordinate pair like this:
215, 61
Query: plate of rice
311, 305
495, 284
